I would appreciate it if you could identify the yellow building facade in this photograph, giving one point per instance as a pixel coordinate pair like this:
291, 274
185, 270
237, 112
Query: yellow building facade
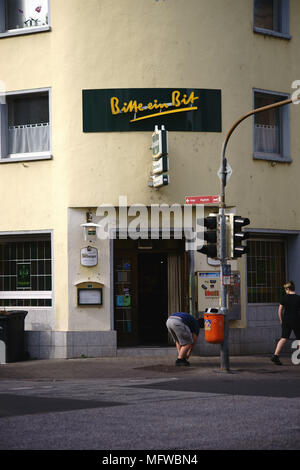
64, 159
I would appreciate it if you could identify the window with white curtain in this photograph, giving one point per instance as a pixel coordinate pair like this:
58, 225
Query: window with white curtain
25, 126
23, 16
271, 127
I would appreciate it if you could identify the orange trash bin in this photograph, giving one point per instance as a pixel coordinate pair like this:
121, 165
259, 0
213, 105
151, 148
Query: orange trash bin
214, 326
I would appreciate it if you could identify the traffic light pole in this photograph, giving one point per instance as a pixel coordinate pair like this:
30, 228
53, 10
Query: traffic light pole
224, 356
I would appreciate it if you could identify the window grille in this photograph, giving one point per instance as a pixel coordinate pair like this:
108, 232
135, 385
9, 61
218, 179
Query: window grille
266, 271
25, 273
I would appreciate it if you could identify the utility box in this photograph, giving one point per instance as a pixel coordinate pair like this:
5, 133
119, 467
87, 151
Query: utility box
12, 336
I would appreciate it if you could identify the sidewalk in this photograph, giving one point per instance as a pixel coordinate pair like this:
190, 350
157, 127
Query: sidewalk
144, 367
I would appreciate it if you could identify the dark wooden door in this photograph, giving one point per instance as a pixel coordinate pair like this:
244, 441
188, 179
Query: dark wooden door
153, 298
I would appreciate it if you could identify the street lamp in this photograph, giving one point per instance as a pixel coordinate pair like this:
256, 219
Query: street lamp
224, 267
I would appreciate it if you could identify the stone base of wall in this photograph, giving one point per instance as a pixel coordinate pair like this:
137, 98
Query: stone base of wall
245, 341
75, 344
70, 344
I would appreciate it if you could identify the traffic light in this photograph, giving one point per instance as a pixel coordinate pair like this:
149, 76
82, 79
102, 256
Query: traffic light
211, 236
237, 236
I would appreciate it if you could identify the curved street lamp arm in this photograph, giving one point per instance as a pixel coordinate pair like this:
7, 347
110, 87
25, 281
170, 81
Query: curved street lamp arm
242, 118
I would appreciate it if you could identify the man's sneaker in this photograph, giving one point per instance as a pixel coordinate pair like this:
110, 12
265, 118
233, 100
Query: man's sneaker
276, 360
179, 362
182, 362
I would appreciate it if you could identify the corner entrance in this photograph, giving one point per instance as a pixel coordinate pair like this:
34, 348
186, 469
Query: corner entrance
151, 281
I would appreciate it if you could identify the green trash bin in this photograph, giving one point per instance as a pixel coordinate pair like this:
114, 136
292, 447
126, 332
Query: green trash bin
12, 336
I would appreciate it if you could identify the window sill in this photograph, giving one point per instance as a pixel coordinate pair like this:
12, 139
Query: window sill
27, 307
273, 157
25, 158
263, 304
22, 31
269, 32
27, 295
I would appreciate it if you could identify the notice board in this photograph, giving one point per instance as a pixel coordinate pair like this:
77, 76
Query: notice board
209, 293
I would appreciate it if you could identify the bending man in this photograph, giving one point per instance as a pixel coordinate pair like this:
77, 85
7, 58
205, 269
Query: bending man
184, 329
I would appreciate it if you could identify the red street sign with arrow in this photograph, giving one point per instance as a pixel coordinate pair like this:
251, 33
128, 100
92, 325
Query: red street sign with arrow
202, 199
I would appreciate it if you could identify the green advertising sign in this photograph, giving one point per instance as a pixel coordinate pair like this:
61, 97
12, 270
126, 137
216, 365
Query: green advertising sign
140, 109
23, 276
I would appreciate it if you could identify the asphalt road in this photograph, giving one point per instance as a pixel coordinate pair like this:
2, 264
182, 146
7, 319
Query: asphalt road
156, 406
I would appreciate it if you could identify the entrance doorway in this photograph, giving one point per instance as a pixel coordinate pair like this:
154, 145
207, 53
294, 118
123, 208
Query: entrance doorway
153, 298
151, 281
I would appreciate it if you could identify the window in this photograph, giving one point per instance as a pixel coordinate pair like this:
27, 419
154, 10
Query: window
271, 17
266, 273
25, 126
23, 16
271, 135
25, 271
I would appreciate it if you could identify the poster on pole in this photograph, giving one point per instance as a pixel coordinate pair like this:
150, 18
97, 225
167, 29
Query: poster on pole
209, 293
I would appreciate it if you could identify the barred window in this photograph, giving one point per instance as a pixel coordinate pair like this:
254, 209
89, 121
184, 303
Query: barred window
25, 271
266, 270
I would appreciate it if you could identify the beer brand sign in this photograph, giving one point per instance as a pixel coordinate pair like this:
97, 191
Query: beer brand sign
89, 256
140, 109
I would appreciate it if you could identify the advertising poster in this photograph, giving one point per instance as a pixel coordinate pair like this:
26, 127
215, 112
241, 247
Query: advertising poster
209, 293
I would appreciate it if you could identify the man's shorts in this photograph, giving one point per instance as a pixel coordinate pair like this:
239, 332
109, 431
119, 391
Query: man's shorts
179, 331
289, 326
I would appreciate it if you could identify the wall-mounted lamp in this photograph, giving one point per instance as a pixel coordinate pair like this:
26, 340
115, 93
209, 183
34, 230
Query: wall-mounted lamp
89, 228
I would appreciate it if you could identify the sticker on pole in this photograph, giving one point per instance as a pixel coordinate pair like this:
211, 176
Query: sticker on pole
226, 275
228, 172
